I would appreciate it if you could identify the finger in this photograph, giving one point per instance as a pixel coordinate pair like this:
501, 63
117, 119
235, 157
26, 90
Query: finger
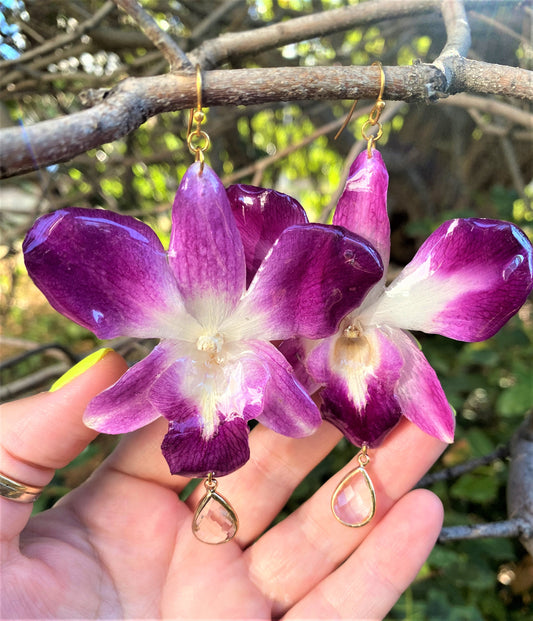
370, 582
46, 431
321, 541
257, 491
139, 455
260, 489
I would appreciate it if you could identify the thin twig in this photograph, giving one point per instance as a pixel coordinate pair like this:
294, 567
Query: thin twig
456, 471
490, 106
61, 40
264, 162
177, 59
41, 349
514, 169
390, 111
214, 17
33, 381
516, 527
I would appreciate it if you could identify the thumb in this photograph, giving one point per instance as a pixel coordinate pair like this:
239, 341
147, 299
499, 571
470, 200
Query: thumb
45, 432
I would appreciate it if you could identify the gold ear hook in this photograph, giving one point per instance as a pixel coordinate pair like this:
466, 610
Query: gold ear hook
343, 126
375, 113
198, 141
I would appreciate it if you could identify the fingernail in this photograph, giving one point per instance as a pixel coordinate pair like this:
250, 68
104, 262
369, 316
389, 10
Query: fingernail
79, 368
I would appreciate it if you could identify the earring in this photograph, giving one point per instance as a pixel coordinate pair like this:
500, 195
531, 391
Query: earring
215, 520
375, 113
198, 141
353, 502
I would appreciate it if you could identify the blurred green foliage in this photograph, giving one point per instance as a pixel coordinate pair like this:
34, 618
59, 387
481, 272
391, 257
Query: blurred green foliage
442, 164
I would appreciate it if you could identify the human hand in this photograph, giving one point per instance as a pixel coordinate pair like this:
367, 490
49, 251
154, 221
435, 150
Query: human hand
121, 545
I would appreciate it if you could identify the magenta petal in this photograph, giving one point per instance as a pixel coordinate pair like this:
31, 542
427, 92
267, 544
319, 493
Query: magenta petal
189, 454
206, 251
295, 352
261, 216
361, 377
125, 406
211, 392
314, 275
287, 408
466, 281
419, 392
362, 207
107, 272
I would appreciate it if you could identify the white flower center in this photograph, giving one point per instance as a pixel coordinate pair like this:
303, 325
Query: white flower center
353, 331
210, 343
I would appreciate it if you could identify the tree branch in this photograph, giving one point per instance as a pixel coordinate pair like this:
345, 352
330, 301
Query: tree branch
126, 106
458, 36
231, 45
516, 527
134, 100
174, 55
520, 482
456, 471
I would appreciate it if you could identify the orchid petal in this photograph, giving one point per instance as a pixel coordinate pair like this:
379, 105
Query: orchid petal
420, 394
125, 406
207, 404
466, 281
261, 216
362, 207
189, 454
105, 271
206, 251
313, 276
295, 351
211, 391
360, 377
287, 409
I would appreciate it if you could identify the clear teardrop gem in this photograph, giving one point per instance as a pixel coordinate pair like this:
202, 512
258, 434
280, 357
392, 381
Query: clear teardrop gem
354, 501
214, 521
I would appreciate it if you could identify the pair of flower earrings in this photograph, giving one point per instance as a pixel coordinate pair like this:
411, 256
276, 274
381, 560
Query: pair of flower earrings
245, 268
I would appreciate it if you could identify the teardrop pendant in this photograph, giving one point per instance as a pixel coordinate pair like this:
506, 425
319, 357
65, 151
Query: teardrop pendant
215, 520
354, 500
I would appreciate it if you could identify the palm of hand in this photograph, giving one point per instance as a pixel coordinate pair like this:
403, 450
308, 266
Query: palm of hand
117, 550
121, 546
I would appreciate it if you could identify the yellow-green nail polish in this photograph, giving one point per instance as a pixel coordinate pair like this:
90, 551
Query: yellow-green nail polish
81, 367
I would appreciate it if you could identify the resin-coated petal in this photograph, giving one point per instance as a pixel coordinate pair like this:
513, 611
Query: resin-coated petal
200, 388
189, 454
466, 281
362, 207
287, 409
107, 272
295, 351
360, 376
419, 391
261, 216
313, 276
206, 251
125, 406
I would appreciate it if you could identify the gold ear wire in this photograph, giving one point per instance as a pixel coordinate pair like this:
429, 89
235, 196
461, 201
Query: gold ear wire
198, 141
343, 126
375, 113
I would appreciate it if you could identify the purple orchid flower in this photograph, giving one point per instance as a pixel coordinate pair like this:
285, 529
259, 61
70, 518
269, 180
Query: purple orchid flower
214, 367
465, 282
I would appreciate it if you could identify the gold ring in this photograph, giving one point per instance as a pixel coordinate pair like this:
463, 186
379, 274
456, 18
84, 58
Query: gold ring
19, 492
